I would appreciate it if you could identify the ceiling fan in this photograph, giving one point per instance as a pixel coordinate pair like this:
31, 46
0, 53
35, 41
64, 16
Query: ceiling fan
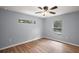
46, 9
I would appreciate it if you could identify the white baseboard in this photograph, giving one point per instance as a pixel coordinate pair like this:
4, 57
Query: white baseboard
63, 42
20, 43
68, 43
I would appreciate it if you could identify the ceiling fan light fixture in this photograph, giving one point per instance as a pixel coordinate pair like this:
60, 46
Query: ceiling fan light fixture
45, 10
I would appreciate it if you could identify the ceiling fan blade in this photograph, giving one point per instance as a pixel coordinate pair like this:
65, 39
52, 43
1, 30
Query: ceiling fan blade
40, 8
52, 12
53, 7
38, 12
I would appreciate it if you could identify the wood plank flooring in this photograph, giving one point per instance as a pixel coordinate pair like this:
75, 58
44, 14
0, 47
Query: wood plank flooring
42, 46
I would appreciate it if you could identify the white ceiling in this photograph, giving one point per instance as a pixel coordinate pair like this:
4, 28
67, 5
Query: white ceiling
32, 9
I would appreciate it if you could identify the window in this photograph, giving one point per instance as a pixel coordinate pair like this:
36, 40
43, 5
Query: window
57, 26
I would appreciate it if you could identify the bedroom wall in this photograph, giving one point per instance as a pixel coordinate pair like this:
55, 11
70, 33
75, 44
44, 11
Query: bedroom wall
12, 32
70, 30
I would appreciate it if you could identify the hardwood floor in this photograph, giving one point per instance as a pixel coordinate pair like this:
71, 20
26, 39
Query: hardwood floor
42, 46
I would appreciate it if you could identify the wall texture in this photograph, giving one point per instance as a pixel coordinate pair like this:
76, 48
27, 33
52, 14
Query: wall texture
12, 32
70, 32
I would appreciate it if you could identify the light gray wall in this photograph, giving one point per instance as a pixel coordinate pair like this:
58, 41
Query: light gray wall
70, 31
12, 32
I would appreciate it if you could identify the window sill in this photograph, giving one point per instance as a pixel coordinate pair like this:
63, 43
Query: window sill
59, 33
